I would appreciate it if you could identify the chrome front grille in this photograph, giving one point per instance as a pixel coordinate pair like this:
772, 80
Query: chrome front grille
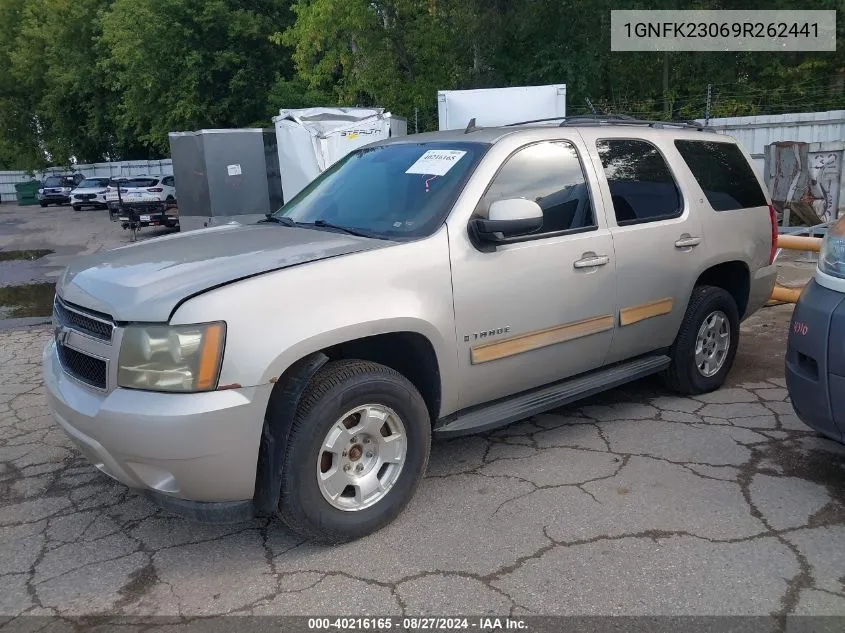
83, 343
81, 320
92, 371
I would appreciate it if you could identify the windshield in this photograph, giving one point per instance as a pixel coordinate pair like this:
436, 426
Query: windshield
91, 183
401, 190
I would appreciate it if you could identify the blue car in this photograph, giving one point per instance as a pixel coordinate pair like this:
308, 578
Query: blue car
815, 354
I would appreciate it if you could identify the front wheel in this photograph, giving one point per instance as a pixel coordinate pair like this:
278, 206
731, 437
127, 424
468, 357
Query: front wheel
76, 207
704, 350
356, 452
43, 205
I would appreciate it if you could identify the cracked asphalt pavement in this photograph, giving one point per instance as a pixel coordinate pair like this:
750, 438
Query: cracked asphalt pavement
637, 502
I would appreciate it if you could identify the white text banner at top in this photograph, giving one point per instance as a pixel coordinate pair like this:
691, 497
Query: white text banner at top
703, 30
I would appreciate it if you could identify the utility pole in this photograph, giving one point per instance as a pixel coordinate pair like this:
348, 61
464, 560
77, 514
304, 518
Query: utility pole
416, 120
666, 109
707, 108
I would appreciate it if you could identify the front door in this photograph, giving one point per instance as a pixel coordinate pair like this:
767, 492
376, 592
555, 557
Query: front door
541, 309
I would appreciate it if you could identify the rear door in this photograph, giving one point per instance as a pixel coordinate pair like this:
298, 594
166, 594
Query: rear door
735, 211
657, 238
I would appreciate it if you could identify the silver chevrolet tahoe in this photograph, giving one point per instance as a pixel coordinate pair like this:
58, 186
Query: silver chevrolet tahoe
429, 285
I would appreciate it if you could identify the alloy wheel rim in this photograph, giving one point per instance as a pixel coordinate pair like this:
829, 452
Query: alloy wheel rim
712, 344
361, 457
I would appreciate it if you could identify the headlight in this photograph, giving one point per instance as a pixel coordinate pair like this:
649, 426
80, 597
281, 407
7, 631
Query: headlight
171, 357
832, 255
41, 191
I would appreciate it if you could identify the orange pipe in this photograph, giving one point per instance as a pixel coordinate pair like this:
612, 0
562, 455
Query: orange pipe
799, 243
788, 295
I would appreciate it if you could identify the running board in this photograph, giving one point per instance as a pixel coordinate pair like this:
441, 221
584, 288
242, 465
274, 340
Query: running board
523, 405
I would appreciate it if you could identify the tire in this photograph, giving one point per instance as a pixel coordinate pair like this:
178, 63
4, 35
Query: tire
76, 207
43, 205
684, 374
337, 389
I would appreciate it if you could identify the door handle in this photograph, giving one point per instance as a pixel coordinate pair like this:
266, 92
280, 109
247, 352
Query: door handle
591, 261
687, 241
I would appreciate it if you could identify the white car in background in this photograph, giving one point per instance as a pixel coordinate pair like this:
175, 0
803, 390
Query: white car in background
142, 189
91, 192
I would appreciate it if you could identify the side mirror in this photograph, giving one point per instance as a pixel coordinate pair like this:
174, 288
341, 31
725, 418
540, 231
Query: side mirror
508, 218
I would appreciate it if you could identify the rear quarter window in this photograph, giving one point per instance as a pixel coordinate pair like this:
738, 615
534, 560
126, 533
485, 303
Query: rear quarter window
723, 173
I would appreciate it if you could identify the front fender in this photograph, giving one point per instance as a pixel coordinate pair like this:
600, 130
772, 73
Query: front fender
275, 319
322, 340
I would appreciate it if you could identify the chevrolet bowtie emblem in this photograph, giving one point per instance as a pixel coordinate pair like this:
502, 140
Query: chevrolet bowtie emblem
61, 333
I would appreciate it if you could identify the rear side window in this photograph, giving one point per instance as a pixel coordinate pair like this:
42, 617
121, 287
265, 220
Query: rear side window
723, 174
641, 186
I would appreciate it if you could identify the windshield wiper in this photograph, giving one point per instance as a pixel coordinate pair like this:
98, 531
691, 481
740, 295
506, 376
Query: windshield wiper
284, 221
323, 224
320, 224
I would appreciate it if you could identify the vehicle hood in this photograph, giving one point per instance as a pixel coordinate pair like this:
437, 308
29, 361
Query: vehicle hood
145, 281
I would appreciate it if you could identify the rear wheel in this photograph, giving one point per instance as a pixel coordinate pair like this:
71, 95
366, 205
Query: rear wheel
704, 350
356, 452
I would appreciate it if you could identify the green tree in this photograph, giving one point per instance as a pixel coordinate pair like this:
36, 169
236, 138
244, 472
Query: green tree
18, 129
393, 53
55, 62
189, 64
89, 80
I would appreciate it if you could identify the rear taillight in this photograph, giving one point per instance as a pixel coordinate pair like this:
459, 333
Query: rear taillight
155, 190
773, 216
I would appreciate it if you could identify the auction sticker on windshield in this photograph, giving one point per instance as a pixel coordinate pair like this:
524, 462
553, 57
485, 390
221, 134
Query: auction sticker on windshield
436, 162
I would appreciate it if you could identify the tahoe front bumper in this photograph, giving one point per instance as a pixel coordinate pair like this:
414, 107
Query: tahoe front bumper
196, 452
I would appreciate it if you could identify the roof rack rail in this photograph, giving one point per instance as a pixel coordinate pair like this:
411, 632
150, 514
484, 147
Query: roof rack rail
554, 118
615, 119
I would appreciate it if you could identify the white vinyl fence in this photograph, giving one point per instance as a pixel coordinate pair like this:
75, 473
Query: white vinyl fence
163, 167
755, 132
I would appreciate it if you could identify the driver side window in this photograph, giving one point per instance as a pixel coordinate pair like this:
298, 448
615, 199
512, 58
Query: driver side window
550, 174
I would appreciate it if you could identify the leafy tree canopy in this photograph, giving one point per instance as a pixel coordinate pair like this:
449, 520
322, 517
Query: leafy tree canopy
92, 80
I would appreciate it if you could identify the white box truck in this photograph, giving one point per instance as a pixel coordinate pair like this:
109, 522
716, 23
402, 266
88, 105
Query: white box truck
310, 140
499, 106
